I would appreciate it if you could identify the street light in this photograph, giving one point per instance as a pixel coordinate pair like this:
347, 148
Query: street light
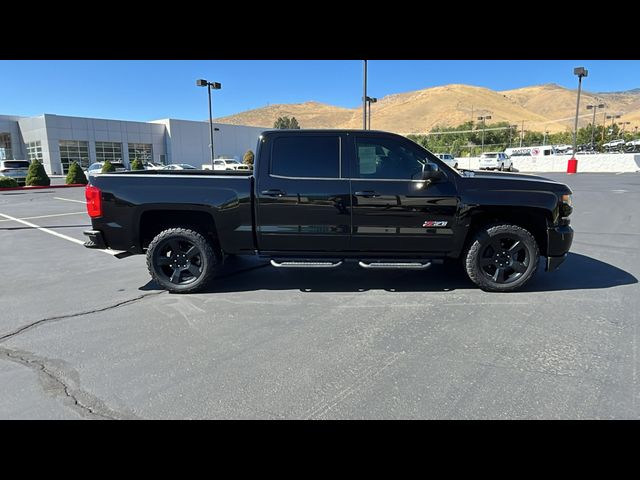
364, 95
623, 126
594, 107
510, 132
612, 118
482, 119
544, 139
580, 72
370, 100
210, 86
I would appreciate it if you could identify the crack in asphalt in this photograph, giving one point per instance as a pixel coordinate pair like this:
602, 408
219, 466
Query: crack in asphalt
31, 325
92, 407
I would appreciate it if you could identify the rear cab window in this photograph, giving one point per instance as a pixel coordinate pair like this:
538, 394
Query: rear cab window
15, 164
306, 156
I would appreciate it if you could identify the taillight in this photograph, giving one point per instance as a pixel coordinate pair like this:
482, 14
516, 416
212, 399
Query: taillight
94, 201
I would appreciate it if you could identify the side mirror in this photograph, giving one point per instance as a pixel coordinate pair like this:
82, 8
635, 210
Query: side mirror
431, 173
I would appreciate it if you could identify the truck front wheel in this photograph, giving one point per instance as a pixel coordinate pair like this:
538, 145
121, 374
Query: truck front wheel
502, 258
181, 260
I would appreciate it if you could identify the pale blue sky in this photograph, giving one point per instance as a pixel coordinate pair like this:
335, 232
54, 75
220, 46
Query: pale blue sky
147, 90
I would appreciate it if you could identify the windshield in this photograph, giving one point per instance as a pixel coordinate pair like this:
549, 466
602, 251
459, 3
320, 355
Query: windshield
18, 164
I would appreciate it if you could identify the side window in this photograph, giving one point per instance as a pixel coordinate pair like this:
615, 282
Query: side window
386, 158
306, 156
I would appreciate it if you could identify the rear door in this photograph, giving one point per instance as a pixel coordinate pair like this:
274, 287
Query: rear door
302, 198
393, 209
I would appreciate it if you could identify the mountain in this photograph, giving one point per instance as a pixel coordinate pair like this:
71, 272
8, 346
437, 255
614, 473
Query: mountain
547, 106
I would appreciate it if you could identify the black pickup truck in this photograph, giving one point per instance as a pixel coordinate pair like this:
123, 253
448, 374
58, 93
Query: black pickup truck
320, 198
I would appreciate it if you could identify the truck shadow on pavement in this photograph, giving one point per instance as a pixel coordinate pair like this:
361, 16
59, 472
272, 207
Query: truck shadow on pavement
578, 272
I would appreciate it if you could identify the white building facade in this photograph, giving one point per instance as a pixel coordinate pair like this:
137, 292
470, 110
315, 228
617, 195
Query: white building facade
57, 141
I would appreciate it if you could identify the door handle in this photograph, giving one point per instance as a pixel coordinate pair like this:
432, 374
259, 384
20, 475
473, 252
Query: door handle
274, 192
367, 194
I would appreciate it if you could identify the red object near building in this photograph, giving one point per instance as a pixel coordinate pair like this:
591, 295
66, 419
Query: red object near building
572, 166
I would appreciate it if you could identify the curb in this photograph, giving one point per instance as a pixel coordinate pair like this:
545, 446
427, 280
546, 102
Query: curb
38, 187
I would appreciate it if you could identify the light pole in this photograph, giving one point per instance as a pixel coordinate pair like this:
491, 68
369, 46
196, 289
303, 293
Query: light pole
364, 95
522, 133
482, 119
215, 86
510, 133
594, 107
580, 72
544, 139
624, 124
613, 119
370, 100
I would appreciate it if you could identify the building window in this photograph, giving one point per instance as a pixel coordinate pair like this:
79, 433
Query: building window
5, 147
74, 151
34, 151
108, 151
140, 151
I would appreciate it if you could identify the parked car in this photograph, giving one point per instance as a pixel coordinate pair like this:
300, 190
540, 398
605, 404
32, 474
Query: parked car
16, 169
229, 164
614, 145
495, 161
409, 210
179, 166
448, 159
152, 166
96, 167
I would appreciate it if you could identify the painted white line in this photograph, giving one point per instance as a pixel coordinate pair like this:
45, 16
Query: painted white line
51, 232
70, 200
49, 216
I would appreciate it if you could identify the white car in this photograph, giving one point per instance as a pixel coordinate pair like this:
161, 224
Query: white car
613, 144
495, 161
16, 169
229, 164
96, 168
448, 159
179, 166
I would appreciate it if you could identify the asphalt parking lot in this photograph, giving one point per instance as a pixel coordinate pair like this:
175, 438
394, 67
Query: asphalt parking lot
86, 335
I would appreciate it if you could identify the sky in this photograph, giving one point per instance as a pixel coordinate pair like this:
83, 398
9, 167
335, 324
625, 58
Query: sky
146, 90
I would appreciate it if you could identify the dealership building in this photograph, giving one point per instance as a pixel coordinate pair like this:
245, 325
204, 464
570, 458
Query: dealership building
57, 141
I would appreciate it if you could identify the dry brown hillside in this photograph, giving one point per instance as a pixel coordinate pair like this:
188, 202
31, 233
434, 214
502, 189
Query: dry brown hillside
549, 107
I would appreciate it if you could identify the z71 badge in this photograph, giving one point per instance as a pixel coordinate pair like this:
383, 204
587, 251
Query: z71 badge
435, 223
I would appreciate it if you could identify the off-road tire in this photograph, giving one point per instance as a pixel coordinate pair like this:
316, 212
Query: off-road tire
480, 266
173, 248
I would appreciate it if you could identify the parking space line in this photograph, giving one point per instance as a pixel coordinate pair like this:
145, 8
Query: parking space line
48, 216
70, 200
51, 232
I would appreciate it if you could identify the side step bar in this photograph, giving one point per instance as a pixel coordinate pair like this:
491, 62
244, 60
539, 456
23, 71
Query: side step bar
302, 264
396, 265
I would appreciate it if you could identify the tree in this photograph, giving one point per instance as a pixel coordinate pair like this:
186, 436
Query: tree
7, 182
284, 123
248, 158
37, 176
76, 176
137, 164
108, 167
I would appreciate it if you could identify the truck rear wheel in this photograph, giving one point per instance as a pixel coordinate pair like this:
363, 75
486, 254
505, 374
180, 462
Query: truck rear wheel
502, 258
181, 260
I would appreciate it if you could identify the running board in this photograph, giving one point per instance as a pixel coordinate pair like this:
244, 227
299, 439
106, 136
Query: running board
301, 264
396, 265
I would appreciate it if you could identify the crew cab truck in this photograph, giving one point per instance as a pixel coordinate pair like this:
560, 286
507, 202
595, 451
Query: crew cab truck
320, 198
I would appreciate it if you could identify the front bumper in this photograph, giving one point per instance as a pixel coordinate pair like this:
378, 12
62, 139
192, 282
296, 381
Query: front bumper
559, 241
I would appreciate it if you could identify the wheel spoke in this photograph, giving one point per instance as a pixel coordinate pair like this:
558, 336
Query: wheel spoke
163, 261
496, 245
519, 267
486, 261
499, 275
516, 247
192, 252
175, 278
194, 270
174, 245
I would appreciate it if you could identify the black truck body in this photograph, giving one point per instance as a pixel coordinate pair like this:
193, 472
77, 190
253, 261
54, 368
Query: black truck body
317, 198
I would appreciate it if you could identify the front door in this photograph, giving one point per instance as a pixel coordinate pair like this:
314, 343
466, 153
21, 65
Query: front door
393, 209
302, 200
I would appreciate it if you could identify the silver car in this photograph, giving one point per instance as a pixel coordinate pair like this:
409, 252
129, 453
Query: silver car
448, 159
16, 169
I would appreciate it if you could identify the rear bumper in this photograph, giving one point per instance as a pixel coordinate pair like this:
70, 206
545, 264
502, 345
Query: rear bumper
95, 239
559, 240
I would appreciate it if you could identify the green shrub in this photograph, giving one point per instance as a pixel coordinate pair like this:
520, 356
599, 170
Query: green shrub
76, 175
137, 165
7, 182
108, 167
248, 158
37, 175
